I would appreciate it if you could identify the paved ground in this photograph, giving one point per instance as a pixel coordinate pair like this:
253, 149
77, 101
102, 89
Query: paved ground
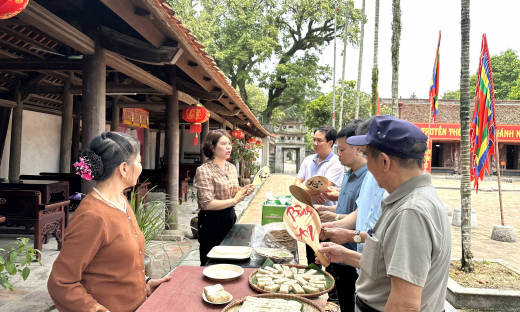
31, 295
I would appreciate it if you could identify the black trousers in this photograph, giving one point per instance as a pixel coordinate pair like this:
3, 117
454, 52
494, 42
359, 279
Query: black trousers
345, 277
213, 226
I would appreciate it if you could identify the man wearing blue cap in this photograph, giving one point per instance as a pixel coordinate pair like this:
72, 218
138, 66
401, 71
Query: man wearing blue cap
406, 257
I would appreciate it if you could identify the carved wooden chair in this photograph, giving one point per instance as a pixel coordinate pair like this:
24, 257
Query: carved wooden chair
24, 208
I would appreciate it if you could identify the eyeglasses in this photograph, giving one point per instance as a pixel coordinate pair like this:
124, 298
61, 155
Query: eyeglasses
362, 153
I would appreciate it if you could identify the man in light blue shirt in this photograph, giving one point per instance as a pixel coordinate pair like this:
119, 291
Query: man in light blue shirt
356, 225
349, 156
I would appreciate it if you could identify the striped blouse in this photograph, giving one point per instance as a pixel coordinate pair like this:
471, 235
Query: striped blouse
212, 183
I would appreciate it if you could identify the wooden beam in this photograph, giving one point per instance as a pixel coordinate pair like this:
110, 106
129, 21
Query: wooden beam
221, 110
6, 103
76, 90
13, 21
42, 98
198, 92
26, 64
131, 14
27, 39
44, 20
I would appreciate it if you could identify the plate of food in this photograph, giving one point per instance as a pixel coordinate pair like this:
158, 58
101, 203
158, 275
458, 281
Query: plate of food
291, 279
223, 272
272, 302
275, 254
216, 295
230, 252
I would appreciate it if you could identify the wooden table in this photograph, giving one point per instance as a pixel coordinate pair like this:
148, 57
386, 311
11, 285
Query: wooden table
240, 235
51, 191
184, 291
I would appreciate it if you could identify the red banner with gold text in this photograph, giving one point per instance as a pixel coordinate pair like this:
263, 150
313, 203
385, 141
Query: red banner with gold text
451, 132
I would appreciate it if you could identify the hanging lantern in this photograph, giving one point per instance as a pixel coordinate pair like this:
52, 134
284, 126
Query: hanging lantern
10, 8
237, 134
195, 115
251, 140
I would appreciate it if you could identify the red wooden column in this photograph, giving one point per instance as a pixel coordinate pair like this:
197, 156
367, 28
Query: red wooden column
172, 145
94, 105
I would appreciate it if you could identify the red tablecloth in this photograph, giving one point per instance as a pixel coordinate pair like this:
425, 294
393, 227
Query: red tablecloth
184, 291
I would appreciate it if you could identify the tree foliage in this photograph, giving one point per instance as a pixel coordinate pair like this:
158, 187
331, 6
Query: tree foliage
451, 95
319, 111
275, 43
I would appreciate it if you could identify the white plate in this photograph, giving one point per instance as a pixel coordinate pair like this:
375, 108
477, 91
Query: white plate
230, 252
223, 272
205, 299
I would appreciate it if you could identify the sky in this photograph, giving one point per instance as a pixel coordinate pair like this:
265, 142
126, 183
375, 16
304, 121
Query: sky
421, 21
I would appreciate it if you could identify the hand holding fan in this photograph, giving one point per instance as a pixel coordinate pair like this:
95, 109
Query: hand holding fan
318, 183
303, 223
300, 194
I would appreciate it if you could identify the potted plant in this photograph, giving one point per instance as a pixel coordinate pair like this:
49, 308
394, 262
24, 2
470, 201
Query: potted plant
10, 256
245, 154
152, 218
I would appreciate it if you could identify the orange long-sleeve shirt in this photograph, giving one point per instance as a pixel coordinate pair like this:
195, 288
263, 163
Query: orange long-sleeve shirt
101, 263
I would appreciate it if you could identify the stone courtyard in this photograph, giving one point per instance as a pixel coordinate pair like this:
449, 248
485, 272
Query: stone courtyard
32, 295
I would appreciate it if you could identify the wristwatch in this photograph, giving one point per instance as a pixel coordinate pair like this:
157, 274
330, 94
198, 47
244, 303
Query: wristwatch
357, 237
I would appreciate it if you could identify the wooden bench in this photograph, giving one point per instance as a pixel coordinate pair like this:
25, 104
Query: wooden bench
24, 210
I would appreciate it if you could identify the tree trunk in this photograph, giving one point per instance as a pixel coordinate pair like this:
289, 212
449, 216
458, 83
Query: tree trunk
360, 66
243, 91
344, 66
375, 70
465, 184
396, 38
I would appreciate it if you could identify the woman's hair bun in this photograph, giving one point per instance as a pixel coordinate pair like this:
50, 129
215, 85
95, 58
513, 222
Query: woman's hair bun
95, 163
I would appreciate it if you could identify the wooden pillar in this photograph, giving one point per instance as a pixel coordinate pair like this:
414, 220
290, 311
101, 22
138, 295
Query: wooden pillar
147, 149
158, 150
15, 153
172, 146
114, 126
181, 143
203, 135
66, 127
223, 124
5, 117
94, 93
76, 123
265, 151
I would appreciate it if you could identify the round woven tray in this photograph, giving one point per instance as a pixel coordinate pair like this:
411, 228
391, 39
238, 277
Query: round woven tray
298, 266
309, 306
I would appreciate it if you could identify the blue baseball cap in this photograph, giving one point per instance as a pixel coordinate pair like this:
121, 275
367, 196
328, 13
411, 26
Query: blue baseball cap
392, 136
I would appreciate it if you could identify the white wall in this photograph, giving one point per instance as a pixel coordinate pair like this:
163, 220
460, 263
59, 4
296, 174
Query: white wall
40, 144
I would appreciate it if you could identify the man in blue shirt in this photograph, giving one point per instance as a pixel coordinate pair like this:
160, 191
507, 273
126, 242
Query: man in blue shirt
355, 226
349, 156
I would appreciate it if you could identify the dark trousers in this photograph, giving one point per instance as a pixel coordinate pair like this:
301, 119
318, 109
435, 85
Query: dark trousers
345, 277
213, 226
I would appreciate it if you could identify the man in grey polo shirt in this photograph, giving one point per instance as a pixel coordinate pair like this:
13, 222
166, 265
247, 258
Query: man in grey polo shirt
406, 257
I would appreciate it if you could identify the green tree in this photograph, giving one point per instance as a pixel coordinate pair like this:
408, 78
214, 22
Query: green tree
413, 96
465, 183
451, 95
319, 111
258, 102
306, 27
238, 34
396, 39
506, 71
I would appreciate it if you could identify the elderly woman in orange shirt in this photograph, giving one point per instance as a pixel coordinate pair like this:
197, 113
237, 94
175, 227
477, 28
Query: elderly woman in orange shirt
217, 192
101, 263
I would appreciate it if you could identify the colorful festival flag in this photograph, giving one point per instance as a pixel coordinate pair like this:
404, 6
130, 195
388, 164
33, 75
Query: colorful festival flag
434, 84
482, 128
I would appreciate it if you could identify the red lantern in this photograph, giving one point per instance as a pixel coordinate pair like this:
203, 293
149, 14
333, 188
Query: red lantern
10, 8
259, 143
251, 140
195, 115
237, 133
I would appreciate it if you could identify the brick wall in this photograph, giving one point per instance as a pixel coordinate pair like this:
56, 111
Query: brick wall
416, 110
